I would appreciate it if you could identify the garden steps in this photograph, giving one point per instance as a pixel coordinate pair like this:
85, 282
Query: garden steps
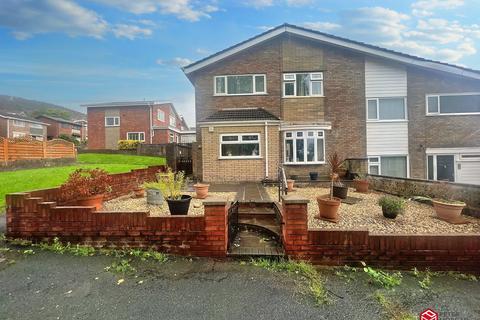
251, 242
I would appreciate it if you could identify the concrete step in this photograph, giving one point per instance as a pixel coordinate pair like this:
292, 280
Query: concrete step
250, 242
266, 223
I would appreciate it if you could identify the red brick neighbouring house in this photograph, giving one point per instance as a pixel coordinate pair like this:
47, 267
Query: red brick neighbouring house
145, 121
17, 126
58, 126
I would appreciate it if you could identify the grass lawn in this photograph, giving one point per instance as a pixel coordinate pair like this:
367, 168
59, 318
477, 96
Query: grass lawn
31, 179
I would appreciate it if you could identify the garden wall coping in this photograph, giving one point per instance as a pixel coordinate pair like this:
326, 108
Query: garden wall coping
294, 199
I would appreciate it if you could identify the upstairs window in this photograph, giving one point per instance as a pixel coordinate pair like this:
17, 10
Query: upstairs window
137, 136
386, 109
240, 146
303, 84
18, 123
112, 121
36, 126
240, 84
304, 147
462, 103
161, 115
173, 121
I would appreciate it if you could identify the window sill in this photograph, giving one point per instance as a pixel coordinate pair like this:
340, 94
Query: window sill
112, 126
239, 158
241, 94
386, 121
452, 114
303, 163
301, 97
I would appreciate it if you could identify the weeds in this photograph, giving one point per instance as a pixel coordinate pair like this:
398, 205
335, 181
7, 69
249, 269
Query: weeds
383, 278
393, 310
302, 268
346, 273
123, 267
28, 252
462, 276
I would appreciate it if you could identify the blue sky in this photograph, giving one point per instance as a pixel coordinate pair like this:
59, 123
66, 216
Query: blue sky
71, 52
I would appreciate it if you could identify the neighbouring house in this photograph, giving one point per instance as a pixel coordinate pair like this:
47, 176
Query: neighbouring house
17, 126
292, 96
146, 121
84, 124
58, 127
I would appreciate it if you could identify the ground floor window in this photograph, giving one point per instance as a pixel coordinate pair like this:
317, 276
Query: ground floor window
171, 137
18, 134
239, 146
304, 147
462, 166
441, 167
137, 136
392, 166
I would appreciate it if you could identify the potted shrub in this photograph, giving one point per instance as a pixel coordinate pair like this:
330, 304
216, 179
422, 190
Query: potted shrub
313, 176
445, 206
154, 194
87, 187
361, 183
171, 185
328, 204
339, 189
201, 190
391, 206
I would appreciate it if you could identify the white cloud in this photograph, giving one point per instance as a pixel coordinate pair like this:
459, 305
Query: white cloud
427, 7
177, 62
265, 28
130, 31
28, 18
259, 4
202, 51
298, 3
182, 9
321, 26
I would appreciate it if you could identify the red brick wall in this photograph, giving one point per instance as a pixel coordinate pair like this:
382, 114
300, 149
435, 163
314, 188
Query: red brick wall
96, 128
162, 136
37, 217
3, 127
340, 247
134, 119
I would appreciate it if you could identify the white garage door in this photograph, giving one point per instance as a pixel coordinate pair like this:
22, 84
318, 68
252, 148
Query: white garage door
468, 169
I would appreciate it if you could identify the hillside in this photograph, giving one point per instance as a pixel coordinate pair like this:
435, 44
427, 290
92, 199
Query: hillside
34, 108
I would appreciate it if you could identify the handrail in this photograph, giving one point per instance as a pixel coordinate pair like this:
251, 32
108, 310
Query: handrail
282, 182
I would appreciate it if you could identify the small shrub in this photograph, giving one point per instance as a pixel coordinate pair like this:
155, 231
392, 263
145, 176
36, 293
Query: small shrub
128, 144
392, 204
171, 184
68, 138
383, 278
83, 183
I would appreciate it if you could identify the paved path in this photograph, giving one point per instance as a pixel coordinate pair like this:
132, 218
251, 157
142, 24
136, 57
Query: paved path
246, 191
3, 222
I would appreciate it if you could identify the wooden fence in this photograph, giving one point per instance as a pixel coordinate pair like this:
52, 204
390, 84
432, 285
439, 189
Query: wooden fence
29, 149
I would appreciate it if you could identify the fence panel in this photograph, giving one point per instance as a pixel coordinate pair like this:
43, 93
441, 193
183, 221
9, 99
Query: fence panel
59, 148
29, 149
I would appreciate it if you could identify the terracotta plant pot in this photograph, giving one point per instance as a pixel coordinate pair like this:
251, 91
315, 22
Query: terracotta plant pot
448, 211
361, 185
201, 189
139, 192
328, 207
92, 201
290, 183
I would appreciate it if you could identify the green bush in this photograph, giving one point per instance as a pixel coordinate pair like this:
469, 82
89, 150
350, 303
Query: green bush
392, 204
128, 144
68, 138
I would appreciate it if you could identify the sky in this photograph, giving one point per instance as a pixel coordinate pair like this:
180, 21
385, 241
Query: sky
73, 52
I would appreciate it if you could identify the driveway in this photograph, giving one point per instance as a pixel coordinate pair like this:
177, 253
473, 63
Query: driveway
47, 285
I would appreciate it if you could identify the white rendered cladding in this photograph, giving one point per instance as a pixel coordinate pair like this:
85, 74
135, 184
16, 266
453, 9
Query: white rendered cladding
384, 79
387, 138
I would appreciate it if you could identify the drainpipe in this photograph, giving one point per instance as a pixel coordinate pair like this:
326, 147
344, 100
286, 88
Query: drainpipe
8, 128
266, 150
151, 123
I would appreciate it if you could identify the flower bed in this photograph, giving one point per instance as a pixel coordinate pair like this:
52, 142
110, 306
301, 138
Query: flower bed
367, 214
128, 203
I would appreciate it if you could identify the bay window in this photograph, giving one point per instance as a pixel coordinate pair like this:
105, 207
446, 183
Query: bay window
460, 103
392, 166
303, 84
240, 146
137, 136
240, 84
386, 109
304, 147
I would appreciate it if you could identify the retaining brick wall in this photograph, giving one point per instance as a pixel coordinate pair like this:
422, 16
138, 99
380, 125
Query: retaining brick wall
340, 247
37, 216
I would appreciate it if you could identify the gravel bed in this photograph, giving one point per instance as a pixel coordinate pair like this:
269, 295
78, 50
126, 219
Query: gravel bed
367, 214
129, 203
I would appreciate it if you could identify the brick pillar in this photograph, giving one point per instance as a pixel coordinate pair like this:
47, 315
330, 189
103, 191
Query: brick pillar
216, 228
295, 224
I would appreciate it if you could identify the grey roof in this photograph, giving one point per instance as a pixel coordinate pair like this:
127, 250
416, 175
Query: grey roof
60, 120
144, 103
15, 116
241, 114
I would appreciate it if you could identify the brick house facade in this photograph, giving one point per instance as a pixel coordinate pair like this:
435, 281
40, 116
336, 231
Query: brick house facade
145, 121
17, 126
59, 126
361, 101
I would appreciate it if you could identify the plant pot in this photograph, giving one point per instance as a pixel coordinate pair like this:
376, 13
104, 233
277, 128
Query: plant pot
294, 177
340, 192
139, 192
361, 185
390, 214
328, 207
290, 183
179, 207
154, 197
313, 176
201, 189
448, 211
92, 201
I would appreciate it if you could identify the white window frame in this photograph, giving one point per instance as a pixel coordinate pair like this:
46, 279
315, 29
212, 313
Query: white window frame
377, 119
379, 162
116, 121
239, 141
139, 133
254, 93
19, 123
171, 137
287, 78
36, 126
438, 95
172, 121
16, 134
318, 135
161, 118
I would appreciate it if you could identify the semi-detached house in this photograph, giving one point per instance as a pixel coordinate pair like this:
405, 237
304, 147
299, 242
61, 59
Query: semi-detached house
291, 96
